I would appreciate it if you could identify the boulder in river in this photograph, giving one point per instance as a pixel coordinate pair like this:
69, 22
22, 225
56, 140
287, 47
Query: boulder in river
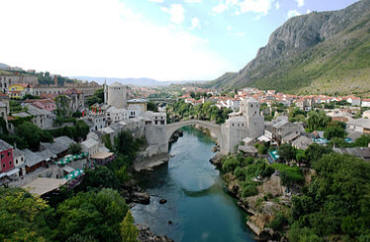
140, 197
145, 235
162, 201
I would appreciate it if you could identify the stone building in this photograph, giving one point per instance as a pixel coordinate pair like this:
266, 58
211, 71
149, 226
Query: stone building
115, 95
246, 123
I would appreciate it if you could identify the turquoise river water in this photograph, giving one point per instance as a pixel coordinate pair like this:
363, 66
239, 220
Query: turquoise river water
197, 204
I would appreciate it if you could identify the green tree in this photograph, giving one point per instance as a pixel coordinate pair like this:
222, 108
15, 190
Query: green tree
74, 148
129, 232
22, 216
152, 107
287, 152
96, 214
98, 97
100, 177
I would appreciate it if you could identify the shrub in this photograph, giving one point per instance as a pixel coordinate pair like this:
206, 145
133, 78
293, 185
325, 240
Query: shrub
289, 175
249, 189
230, 164
278, 222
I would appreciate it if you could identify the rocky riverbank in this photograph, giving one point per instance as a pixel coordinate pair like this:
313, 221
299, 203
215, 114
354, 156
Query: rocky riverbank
263, 207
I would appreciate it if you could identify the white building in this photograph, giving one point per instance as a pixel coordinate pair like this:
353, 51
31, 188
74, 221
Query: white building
154, 118
91, 144
139, 106
365, 103
114, 114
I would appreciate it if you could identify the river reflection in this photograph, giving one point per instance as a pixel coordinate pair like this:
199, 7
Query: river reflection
197, 206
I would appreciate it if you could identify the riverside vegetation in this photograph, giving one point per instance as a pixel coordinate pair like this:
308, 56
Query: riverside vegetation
323, 199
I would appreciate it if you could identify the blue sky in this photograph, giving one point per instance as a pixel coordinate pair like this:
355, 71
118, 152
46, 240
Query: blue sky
161, 39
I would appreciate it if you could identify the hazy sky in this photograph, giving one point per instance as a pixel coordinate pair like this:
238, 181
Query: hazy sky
161, 39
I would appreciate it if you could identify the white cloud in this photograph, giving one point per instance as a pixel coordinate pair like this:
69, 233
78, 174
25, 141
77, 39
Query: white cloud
308, 11
229, 28
293, 13
104, 39
277, 5
244, 6
195, 23
193, 1
156, 1
256, 6
220, 8
177, 13
300, 3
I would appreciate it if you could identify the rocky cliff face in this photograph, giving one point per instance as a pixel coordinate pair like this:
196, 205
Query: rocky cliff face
294, 38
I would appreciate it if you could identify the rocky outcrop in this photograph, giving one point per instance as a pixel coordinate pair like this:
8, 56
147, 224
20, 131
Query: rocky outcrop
145, 235
216, 160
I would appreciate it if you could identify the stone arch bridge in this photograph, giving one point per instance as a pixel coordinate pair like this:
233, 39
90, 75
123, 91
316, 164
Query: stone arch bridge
158, 136
214, 129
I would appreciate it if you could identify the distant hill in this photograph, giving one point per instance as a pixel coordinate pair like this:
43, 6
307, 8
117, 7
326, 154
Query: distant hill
4, 66
143, 82
326, 52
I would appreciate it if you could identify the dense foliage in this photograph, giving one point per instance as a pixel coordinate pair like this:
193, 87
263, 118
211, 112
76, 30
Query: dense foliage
27, 135
337, 200
22, 216
246, 170
96, 214
204, 111
98, 97
77, 132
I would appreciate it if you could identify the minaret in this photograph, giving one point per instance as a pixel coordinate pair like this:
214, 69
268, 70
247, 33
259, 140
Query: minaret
105, 92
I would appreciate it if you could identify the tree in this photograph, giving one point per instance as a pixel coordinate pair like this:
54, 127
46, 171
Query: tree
152, 107
100, 177
22, 216
30, 136
336, 200
62, 103
287, 152
334, 132
98, 97
129, 232
96, 214
74, 148
315, 151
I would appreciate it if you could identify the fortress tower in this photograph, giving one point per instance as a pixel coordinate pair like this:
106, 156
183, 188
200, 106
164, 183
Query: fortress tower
115, 95
247, 123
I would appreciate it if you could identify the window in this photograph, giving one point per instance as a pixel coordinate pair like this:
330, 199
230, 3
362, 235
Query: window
8, 153
2, 156
4, 166
22, 158
16, 161
10, 163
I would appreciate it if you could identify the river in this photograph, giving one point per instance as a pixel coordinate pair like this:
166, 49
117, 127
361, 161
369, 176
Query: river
197, 205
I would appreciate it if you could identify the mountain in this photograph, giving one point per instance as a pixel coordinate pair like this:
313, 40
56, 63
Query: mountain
143, 82
321, 52
4, 66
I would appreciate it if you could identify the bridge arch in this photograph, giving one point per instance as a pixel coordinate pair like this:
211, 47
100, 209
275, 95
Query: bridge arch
214, 129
